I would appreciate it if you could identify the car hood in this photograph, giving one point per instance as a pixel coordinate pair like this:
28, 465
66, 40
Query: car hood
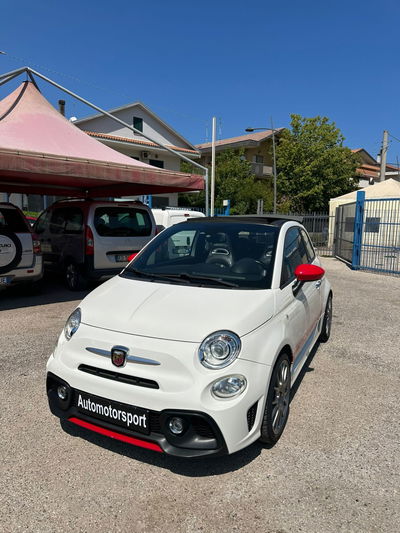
175, 312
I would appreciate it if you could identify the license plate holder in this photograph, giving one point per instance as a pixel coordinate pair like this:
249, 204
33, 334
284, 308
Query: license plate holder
123, 415
122, 258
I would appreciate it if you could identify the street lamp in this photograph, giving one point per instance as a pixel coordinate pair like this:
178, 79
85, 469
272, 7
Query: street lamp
273, 156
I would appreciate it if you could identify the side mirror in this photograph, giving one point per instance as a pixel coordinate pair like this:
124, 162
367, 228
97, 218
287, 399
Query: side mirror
305, 273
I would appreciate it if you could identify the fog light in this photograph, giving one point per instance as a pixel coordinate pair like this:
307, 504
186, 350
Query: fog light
229, 387
62, 392
176, 425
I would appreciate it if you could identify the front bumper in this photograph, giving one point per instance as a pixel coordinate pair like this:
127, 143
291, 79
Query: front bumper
202, 436
183, 388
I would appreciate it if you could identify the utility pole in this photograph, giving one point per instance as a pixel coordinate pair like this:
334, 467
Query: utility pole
274, 162
384, 150
214, 128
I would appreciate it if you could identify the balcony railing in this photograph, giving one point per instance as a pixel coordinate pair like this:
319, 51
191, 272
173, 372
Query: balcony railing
260, 170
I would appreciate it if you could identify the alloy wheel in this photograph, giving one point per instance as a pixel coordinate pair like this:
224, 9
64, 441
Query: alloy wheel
281, 399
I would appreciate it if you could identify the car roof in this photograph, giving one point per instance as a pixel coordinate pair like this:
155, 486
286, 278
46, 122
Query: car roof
270, 220
90, 201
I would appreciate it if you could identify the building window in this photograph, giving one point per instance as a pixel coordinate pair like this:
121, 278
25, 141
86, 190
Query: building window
156, 163
138, 124
134, 157
259, 159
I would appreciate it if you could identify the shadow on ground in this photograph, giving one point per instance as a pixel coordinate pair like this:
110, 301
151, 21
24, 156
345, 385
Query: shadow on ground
49, 290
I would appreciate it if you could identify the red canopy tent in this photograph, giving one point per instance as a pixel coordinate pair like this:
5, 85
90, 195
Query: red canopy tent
41, 152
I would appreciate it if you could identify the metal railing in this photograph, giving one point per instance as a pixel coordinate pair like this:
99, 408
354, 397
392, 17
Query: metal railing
380, 240
317, 226
260, 169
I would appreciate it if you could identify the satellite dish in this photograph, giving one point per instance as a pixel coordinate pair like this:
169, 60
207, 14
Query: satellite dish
72, 119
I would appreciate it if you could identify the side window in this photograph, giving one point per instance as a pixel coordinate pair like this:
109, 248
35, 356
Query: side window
309, 246
294, 254
57, 221
73, 221
41, 224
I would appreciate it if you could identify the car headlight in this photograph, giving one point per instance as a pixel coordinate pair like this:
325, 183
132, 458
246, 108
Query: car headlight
219, 349
72, 324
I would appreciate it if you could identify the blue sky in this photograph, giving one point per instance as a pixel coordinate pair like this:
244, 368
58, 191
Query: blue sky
242, 62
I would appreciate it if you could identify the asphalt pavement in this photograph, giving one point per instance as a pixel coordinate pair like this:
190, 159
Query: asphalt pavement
335, 469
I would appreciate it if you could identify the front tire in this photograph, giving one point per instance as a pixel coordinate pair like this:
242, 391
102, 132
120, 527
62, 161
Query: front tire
74, 279
276, 410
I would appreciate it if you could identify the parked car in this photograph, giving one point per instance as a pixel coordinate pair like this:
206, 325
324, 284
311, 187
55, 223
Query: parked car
20, 253
168, 217
92, 240
195, 355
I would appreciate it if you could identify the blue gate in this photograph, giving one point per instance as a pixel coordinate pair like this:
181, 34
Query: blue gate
376, 234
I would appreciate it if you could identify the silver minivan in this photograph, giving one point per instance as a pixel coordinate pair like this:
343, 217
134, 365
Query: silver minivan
20, 254
92, 239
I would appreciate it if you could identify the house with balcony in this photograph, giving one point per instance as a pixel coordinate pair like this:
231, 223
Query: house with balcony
134, 145
368, 172
256, 146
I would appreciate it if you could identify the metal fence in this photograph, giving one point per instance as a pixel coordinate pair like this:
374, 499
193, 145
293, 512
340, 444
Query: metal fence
380, 235
365, 233
343, 240
317, 226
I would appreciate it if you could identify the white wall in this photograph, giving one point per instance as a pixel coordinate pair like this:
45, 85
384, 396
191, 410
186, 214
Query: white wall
151, 127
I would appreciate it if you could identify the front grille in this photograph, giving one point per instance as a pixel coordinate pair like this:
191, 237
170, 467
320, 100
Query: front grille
251, 415
155, 425
202, 427
117, 376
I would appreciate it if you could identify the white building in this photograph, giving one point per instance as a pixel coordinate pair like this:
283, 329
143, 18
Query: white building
134, 145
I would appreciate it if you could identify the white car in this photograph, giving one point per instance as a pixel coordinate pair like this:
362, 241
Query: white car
20, 252
194, 354
168, 217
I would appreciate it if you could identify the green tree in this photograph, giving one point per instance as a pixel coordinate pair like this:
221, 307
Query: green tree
234, 181
313, 165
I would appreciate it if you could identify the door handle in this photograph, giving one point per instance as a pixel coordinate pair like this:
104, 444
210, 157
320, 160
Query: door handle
318, 284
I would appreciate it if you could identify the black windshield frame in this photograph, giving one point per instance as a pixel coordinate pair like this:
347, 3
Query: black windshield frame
229, 255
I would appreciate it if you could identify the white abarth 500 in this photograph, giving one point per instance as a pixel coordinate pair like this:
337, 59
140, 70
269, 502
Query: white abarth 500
192, 350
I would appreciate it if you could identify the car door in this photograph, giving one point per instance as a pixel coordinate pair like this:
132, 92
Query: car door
299, 307
319, 285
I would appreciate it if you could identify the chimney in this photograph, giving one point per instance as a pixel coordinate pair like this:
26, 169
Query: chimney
61, 107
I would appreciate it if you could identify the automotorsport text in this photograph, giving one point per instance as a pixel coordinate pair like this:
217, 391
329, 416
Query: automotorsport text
118, 415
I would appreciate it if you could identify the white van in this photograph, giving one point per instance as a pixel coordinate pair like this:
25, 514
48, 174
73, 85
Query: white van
169, 217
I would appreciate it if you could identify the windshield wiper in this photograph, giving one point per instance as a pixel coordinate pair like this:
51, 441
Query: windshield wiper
155, 275
183, 276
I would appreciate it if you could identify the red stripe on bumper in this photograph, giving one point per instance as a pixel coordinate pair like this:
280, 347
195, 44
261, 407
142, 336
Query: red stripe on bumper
115, 435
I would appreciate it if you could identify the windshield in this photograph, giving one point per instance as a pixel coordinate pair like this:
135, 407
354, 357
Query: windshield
211, 254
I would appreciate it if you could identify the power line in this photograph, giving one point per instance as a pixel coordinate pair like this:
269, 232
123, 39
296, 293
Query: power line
393, 137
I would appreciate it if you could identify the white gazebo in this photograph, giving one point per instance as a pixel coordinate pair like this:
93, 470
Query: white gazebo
389, 188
